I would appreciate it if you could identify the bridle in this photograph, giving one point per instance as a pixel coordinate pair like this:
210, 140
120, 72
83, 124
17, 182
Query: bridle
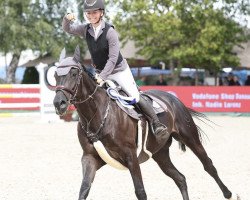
73, 92
92, 136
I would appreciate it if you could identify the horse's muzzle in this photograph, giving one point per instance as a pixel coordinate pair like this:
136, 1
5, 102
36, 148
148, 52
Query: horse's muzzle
61, 103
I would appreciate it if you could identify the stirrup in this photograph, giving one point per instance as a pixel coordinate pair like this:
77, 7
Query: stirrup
158, 128
160, 131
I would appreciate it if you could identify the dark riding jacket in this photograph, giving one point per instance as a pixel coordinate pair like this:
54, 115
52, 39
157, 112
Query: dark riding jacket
105, 50
99, 49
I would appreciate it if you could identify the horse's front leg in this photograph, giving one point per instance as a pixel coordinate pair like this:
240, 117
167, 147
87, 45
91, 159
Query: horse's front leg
135, 171
90, 164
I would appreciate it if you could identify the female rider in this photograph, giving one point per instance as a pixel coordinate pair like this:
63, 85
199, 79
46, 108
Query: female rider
103, 44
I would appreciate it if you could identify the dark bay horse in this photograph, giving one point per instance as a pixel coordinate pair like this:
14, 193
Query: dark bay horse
102, 120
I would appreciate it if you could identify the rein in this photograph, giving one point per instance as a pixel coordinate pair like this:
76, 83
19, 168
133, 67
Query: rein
93, 136
74, 101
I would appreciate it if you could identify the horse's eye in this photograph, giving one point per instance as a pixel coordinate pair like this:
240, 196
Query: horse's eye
74, 74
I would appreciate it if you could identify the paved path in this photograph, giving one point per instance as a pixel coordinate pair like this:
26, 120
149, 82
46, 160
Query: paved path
41, 161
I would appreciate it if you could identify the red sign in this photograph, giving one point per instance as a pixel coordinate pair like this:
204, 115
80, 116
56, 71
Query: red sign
210, 99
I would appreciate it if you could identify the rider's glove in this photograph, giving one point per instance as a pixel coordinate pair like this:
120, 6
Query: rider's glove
99, 80
70, 16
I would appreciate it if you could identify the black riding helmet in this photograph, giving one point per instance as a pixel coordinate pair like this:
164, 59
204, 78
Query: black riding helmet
91, 5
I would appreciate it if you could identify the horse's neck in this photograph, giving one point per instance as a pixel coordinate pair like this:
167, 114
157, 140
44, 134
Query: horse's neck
94, 108
87, 87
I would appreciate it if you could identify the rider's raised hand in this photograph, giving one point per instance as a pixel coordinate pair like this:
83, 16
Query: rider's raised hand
70, 16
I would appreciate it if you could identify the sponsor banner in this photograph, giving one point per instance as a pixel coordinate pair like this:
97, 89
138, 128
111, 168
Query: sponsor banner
201, 98
210, 99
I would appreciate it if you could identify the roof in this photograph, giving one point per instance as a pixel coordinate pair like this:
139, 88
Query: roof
129, 52
47, 59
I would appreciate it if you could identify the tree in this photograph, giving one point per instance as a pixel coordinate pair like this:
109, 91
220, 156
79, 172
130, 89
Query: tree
210, 35
195, 33
36, 25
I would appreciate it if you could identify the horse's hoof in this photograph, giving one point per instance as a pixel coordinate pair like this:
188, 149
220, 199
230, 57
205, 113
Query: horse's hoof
235, 197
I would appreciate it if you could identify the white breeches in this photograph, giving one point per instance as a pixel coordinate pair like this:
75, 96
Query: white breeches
126, 80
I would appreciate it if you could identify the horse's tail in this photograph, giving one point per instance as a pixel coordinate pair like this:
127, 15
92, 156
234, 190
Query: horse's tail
202, 117
198, 115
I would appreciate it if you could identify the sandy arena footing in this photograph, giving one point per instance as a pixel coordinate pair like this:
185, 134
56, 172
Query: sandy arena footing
41, 161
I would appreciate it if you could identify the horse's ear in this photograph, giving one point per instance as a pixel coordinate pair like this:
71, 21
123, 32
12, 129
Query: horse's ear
77, 54
62, 55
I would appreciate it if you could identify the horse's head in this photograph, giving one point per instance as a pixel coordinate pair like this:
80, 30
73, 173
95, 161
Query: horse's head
68, 76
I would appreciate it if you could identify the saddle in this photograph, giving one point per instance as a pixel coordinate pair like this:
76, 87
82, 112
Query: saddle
126, 103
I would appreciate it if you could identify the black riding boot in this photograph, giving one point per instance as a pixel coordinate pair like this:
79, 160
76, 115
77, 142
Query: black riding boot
148, 111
